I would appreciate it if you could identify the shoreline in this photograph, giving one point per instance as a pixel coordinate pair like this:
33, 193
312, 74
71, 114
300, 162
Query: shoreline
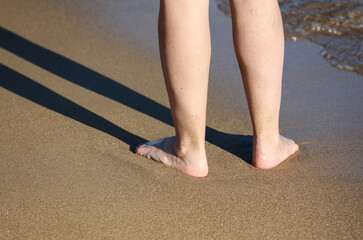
80, 87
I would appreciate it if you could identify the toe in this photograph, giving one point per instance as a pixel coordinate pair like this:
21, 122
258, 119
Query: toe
139, 148
295, 146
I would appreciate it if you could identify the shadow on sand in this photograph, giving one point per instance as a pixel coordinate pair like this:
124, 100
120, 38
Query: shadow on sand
239, 145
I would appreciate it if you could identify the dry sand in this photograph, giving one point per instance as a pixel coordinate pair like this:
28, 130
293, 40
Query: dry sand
81, 85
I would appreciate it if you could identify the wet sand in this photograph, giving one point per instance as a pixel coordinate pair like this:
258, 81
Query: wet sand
81, 86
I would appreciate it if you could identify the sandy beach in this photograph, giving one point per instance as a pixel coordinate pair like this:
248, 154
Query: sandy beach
81, 85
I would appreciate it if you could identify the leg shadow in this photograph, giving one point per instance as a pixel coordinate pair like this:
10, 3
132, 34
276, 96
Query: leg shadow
82, 76
37, 93
238, 145
76, 73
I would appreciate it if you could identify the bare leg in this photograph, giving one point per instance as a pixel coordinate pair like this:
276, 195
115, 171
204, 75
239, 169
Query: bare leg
185, 50
259, 45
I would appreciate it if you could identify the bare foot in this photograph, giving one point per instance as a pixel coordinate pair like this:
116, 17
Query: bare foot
189, 160
269, 154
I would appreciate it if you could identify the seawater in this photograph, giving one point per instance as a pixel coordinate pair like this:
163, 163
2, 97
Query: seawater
336, 25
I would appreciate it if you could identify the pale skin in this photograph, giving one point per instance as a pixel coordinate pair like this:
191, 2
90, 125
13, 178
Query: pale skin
185, 50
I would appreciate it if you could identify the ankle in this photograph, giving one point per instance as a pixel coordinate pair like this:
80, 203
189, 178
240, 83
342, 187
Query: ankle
193, 155
183, 148
261, 139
